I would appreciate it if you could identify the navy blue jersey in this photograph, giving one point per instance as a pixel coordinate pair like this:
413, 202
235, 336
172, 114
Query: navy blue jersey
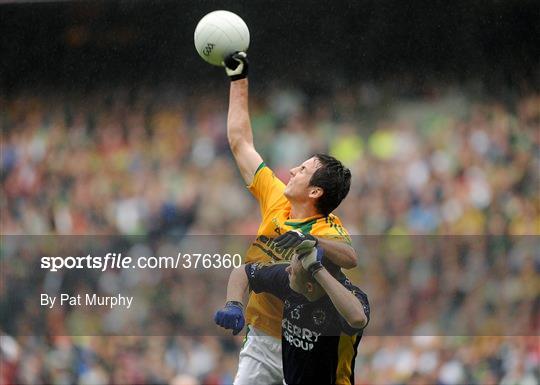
319, 346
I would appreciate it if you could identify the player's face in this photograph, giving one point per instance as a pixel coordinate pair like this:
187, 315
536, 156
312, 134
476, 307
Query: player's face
296, 279
298, 188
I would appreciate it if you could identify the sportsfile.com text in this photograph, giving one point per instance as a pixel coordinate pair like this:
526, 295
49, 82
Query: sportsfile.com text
118, 261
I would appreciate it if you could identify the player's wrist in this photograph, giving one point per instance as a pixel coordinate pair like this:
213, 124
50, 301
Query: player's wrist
315, 268
235, 78
235, 303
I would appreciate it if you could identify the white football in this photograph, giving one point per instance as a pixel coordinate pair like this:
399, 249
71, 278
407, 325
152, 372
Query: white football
219, 34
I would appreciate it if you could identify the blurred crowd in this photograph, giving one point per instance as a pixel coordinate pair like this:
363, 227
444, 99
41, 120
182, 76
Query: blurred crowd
136, 161
155, 161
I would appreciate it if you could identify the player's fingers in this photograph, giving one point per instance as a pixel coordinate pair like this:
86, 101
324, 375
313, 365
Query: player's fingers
232, 62
279, 238
285, 239
226, 320
282, 238
229, 322
303, 254
239, 325
291, 242
240, 57
218, 318
223, 320
305, 245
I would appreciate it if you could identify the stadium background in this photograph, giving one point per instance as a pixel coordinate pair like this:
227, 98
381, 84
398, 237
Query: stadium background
111, 124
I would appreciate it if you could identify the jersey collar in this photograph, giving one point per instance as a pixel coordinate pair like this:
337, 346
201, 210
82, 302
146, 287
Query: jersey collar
304, 224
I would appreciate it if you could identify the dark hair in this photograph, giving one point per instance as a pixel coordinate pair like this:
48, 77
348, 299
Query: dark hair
335, 180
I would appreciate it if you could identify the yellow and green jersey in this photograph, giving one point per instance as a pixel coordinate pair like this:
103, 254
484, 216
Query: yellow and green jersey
264, 311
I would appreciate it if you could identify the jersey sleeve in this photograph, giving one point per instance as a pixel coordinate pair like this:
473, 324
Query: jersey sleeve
271, 279
362, 297
267, 189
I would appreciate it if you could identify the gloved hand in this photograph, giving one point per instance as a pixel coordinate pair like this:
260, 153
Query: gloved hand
236, 66
231, 317
297, 240
312, 260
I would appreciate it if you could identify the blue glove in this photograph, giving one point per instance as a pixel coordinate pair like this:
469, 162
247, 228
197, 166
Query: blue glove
231, 317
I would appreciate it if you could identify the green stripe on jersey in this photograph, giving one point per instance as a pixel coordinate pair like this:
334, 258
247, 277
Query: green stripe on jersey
304, 227
261, 166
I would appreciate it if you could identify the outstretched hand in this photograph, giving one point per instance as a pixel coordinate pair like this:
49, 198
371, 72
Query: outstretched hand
236, 66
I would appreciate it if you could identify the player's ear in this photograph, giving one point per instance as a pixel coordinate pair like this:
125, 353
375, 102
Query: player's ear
315, 192
310, 288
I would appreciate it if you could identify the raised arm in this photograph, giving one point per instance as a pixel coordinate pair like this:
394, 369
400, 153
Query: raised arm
239, 130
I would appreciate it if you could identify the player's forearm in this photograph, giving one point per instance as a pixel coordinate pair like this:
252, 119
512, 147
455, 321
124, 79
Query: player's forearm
342, 254
238, 285
345, 302
239, 131
238, 123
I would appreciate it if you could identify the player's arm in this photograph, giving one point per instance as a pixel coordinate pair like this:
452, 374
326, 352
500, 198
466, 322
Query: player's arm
337, 251
231, 316
238, 285
346, 303
239, 132
270, 279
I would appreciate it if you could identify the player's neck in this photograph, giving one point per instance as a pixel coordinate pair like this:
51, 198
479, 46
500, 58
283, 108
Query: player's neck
302, 210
